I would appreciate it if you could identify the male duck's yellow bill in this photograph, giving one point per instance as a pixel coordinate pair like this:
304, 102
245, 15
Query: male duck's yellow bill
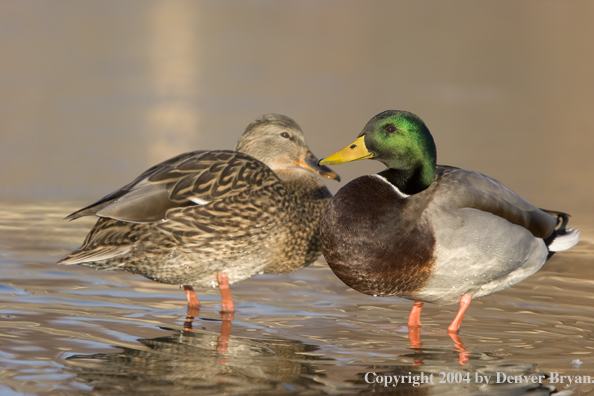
352, 152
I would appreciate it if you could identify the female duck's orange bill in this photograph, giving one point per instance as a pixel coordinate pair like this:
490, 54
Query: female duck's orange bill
310, 162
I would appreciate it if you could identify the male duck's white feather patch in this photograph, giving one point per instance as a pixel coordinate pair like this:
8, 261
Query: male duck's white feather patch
565, 241
403, 195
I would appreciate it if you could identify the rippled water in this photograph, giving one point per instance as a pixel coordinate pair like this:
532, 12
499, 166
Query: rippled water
70, 329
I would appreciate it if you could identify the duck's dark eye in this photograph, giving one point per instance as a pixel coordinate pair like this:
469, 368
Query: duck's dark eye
390, 128
285, 135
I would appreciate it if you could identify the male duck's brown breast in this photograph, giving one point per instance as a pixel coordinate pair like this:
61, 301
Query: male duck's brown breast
374, 239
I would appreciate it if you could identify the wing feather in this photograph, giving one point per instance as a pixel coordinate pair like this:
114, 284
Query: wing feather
190, 179
468, 189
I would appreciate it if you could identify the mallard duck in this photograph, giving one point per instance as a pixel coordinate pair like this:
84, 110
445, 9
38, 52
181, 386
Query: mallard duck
208, 218
427, 232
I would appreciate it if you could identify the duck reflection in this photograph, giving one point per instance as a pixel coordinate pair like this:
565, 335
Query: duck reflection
201, 361
434, 372
414, 335
450, 371
198, 361
432, 381
225, 334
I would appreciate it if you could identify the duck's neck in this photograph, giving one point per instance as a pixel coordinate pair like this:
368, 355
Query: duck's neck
411, 181
303, 184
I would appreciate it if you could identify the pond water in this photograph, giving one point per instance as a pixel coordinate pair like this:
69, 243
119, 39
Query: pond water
95, 92
70, 329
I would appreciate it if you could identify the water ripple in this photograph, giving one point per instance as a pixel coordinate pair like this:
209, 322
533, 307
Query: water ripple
75, 329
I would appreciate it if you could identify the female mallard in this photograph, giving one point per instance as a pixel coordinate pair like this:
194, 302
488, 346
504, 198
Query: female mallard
431, 233
215, 217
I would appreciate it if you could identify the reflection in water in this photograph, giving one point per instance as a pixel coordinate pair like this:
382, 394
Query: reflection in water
442, 380
194, 360
201, 360
174, 53
326, 337
414, 335
432, 372
226, 318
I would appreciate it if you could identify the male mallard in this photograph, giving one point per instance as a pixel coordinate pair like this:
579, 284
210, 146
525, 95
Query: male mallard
215, 217
431, 233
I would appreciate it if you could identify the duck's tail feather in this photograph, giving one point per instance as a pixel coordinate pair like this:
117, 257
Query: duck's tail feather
88, 256
562, 238
565, 240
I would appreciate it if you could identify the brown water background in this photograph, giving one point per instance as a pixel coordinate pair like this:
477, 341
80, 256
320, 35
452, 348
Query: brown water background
94, 92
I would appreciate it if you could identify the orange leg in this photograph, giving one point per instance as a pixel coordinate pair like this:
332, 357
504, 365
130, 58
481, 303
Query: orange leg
464, 304
227, 300
193, 302
414, 325
414, 319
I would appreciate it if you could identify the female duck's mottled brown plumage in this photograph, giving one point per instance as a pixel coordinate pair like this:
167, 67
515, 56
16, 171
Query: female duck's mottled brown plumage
206, 214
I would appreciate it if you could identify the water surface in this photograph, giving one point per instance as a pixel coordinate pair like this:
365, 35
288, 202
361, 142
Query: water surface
72, 329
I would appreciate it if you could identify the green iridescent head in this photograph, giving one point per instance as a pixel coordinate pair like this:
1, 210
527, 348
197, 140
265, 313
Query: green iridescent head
401, 141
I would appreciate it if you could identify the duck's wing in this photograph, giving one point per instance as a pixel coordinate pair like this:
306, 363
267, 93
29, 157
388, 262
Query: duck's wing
467, 189
195, 178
